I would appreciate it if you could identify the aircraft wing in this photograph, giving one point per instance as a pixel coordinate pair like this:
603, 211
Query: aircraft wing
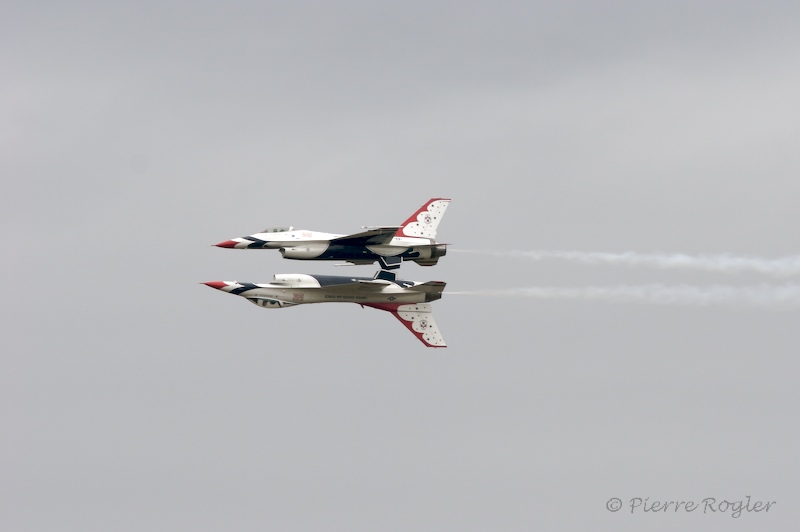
418, 318
372, 237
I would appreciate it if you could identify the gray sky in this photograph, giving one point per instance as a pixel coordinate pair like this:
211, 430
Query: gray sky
135, 135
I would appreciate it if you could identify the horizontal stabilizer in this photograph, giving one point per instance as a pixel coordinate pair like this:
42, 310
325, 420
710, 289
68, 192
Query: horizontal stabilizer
355, 263
436, 284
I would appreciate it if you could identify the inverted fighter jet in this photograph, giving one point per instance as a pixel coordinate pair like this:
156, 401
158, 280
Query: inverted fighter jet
415, 240
408, 301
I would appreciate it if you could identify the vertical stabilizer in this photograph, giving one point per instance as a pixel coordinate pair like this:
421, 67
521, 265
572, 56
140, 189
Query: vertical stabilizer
417, 317
423, 223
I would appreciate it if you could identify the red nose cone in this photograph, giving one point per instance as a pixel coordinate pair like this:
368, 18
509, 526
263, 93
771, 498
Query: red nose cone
227, 244
216, 284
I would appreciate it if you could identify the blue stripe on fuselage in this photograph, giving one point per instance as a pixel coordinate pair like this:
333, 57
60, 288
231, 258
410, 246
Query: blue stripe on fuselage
256, 242
244, 288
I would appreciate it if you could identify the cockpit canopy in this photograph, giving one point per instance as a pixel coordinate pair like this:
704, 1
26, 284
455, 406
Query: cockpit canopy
278, 229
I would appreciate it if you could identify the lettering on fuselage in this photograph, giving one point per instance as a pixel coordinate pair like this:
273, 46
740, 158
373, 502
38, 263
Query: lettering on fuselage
344, 297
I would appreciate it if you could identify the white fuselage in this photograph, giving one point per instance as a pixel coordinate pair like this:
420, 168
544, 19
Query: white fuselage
336, 294
294, 238
297, 289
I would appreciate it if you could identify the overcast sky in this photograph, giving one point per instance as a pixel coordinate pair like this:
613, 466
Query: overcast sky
134, 135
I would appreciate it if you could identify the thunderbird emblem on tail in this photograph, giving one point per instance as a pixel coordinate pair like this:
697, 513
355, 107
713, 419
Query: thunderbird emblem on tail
408, 301
414, 241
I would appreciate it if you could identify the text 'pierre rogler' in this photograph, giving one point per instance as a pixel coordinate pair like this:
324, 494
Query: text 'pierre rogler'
710, 505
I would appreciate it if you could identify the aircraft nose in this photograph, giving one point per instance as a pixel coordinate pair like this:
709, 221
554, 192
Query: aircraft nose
226, 244
219, 285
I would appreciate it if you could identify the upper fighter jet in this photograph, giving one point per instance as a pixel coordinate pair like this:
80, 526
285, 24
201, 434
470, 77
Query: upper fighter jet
415, 240
408, 301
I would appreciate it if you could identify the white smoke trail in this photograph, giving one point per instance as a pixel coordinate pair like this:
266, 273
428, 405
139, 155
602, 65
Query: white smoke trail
772, 297
779, 267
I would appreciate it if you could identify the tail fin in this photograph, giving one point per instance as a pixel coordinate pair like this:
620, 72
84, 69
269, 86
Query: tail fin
417, 317
423, 223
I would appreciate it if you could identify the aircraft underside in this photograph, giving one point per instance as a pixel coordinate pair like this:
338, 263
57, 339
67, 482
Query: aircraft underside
388, 258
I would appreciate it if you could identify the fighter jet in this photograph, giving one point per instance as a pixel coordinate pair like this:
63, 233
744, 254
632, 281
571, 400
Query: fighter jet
415, 241
408, 301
